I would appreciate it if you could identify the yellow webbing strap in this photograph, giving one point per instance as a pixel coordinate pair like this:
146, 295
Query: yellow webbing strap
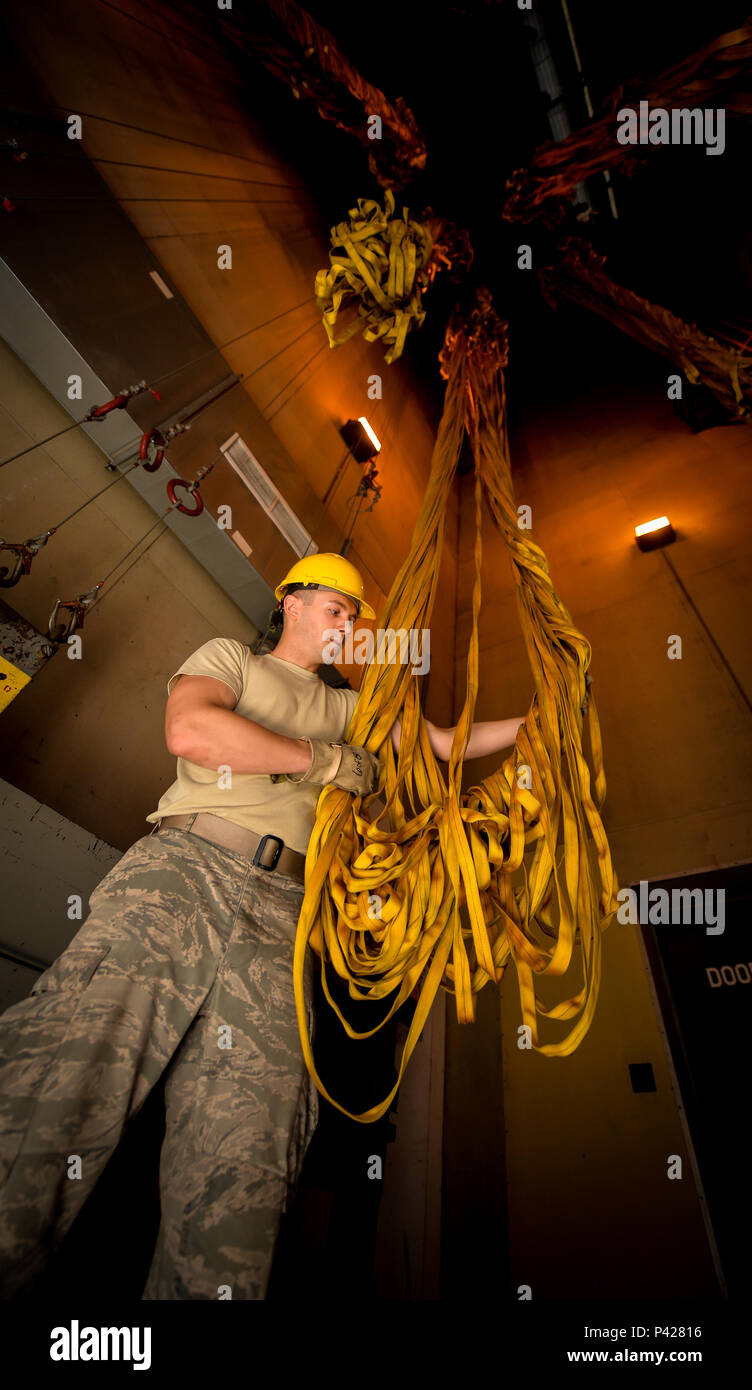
431, 847
382, 267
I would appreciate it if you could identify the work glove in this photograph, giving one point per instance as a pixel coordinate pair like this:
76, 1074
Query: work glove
341, 764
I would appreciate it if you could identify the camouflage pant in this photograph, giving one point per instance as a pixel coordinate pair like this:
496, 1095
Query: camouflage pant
184, 938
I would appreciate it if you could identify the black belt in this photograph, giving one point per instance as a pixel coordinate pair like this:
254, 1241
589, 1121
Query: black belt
236, 837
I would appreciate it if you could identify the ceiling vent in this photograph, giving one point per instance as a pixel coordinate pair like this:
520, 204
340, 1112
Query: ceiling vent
258, 482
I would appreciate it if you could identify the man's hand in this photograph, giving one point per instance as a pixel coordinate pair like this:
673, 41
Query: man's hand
342, 764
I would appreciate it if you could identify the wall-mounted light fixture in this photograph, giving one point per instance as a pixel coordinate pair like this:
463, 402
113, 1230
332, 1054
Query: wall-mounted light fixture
360, 439
653, 534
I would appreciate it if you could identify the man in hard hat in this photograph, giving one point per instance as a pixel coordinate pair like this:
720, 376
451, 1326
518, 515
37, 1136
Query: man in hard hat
183, 969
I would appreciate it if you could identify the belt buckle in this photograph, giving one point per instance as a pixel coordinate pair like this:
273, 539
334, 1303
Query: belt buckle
277, 852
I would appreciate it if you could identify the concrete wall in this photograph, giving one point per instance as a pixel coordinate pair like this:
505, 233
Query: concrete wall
186, 148
87, 737
591, 1212
408, 1251
46, 861
170, 125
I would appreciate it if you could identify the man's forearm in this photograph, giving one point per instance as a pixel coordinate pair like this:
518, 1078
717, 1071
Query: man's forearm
488, 736
220, 738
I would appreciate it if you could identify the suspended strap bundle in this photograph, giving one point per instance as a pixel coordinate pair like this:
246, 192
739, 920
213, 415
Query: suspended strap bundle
580, 276
432, 858
716, 75
385, 265
304, 54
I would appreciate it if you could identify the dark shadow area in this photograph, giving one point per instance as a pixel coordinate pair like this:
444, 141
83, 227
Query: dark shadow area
704, 987
109, 1247
329, 1231
329, 1227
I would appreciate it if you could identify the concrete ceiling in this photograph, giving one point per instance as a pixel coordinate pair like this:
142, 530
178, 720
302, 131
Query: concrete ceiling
683, 237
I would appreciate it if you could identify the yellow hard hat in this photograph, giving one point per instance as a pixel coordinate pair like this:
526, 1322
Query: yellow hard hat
328, 571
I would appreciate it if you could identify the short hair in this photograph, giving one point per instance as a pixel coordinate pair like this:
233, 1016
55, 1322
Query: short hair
306, 595
266, 641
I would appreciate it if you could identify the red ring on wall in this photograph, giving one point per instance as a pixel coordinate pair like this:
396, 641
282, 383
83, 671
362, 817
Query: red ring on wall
151, 437
176, 483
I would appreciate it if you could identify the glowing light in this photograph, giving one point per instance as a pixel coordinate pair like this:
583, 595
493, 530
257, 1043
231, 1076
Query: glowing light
656, 525
362, 421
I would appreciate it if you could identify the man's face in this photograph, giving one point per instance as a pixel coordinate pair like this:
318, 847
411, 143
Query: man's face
328, 612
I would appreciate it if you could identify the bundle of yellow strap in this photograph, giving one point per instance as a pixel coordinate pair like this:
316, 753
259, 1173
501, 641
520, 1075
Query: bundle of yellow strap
432, 849
383, 267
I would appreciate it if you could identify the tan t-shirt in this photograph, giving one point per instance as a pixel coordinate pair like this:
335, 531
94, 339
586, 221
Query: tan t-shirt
283, 697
